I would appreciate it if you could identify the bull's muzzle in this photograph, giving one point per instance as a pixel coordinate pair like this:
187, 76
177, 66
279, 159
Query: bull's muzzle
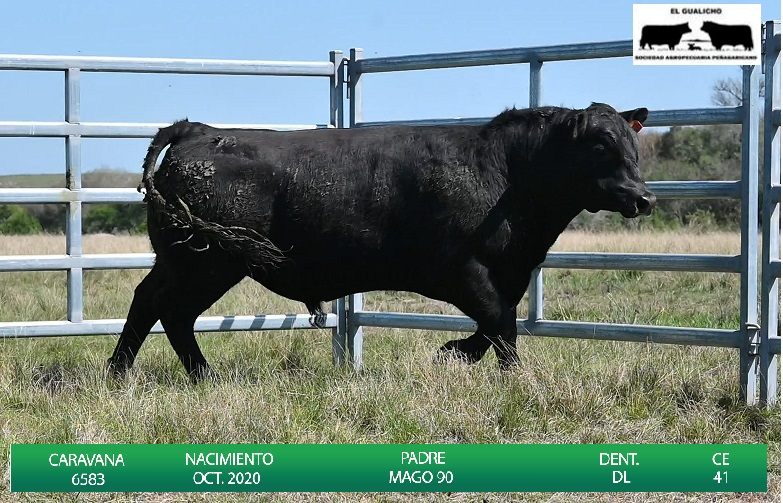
645, 203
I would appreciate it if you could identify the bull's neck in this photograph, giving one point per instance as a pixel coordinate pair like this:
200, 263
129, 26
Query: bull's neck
542, 222
541, 200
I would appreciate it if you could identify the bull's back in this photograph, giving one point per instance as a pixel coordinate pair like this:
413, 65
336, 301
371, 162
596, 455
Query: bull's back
376, 195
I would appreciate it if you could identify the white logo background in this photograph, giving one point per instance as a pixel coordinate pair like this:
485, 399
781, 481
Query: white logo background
697, 46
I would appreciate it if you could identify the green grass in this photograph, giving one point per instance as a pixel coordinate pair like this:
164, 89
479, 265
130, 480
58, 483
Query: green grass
281, 387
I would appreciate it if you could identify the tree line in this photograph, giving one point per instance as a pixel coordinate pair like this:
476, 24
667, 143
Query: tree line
96, 218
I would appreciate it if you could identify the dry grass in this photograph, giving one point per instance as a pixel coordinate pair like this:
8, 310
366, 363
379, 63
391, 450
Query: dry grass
685, 241
281, 387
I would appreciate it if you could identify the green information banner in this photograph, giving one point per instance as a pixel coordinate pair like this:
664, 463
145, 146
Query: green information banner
388, 468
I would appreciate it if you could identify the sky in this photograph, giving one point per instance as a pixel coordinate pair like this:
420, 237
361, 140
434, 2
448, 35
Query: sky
306, 30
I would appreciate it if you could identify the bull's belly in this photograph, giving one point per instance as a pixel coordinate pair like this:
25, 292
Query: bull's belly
327, 281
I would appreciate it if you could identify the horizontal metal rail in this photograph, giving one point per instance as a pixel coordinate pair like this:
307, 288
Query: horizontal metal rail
42, 196
203, 324
643, 262
496, 57
697, 190
128, 196
95, 261
657, 118
597, 331
50, 129
117, 129
663, 190
168, 65
559, 260
694, 117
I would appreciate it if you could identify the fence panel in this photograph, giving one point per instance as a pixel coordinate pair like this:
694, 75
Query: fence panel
72, 129
770, 252
754, 348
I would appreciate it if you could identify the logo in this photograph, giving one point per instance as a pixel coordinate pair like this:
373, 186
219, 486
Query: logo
683, 34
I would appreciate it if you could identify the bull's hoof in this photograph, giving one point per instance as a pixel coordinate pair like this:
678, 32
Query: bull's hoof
508, 364
202, 373
453, 351
318, 320
118, 368
508, 358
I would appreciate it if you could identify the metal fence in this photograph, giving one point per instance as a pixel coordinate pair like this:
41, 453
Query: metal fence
770, 253
759, 345
72, 129
758, 348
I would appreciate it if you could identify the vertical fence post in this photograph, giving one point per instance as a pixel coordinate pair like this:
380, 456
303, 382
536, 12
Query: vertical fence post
355, 115
770, 281
355, 332
336, 83
73, 181
336, 117
340, 332
749, 352
535, 291
356, 110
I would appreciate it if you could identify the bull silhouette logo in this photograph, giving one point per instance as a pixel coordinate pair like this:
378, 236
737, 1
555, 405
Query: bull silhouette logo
669, 36
728, 35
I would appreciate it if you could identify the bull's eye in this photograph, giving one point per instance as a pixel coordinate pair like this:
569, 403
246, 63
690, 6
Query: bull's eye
603, 155
601, 152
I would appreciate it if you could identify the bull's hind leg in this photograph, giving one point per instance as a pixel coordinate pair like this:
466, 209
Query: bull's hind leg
187, 299
143, 313
478, 298
472, 349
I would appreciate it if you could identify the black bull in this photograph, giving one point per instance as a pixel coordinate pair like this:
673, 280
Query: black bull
461, 214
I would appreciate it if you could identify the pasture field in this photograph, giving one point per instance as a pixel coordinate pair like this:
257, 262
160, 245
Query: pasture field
282, 388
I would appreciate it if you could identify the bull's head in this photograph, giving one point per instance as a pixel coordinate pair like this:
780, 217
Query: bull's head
606, 153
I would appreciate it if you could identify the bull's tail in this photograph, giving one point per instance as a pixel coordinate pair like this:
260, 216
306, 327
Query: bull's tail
162, 139
246, 242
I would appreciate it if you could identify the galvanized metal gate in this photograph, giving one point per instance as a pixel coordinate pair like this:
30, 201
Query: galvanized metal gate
757, 337
769, 343
72, 129
759, 346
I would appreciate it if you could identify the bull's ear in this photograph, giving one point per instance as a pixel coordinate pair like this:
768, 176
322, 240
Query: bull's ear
635, 118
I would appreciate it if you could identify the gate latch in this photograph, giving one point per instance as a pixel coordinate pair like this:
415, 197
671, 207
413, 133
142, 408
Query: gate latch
754, 339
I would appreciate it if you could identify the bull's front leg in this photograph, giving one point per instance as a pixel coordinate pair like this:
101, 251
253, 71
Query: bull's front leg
477, 296
470, 349
505, 345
